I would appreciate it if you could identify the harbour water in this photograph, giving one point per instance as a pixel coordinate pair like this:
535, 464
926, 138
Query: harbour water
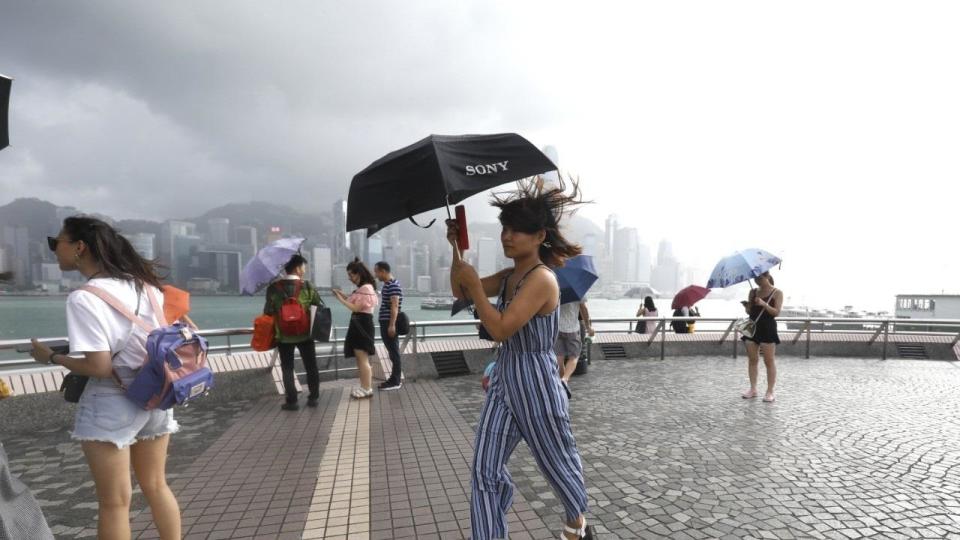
24, 317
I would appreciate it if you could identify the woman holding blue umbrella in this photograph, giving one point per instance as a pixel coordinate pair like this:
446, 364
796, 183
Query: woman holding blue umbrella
763, 305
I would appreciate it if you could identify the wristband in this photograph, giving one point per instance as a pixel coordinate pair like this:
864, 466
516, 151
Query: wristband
51, 360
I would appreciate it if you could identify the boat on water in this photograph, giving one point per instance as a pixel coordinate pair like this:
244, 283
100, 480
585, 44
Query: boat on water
437, 302
927, 306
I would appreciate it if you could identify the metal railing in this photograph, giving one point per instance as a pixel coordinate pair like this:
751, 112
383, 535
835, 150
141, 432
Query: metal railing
877, 328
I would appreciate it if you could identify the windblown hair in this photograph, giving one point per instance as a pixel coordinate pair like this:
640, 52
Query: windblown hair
535, 207
366, 277
112, 250
296, 261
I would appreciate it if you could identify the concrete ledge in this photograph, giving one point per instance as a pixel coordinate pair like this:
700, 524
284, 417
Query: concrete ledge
48, 411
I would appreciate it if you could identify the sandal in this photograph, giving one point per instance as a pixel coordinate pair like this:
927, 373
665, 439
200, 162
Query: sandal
585, 531
361, 393
749, 394
769, 398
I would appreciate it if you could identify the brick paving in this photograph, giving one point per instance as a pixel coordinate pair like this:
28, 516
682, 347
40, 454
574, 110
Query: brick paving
852, 449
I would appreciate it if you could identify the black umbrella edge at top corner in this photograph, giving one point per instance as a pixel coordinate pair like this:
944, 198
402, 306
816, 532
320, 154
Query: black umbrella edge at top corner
6, 83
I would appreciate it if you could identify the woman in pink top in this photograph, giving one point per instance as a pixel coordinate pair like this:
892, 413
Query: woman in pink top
359, 342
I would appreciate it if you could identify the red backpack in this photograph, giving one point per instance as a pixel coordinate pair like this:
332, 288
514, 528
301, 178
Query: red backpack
294, 320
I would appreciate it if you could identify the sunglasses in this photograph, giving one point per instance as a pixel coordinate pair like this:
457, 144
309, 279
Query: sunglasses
52, 242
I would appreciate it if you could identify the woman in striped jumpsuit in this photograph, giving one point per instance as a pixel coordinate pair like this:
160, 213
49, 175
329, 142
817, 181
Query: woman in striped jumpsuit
525, 399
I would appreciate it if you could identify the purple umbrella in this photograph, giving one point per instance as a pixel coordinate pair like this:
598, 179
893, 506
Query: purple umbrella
267, 264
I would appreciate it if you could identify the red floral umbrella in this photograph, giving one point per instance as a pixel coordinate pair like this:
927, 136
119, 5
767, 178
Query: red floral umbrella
689, 296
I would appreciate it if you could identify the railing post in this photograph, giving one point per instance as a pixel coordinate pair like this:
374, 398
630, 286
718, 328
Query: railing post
663, 341
885, 337
416, 340
809, 325
229, 349
333, 353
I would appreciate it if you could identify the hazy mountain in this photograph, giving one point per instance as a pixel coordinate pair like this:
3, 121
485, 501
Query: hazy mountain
39, 217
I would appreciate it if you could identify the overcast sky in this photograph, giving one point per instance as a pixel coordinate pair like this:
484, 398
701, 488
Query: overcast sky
827, 132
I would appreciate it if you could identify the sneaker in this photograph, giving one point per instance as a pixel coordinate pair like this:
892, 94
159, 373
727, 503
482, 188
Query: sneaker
312, 402
749, 394
388, 386
769, 398
290, 406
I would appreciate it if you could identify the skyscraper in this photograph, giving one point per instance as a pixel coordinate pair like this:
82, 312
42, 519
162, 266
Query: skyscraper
341, 243
246, 236
609, 235
322, 266
625, 258
487, 250
219, 230
144, 244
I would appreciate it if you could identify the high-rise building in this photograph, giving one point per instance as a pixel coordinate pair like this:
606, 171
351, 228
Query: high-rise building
341, 279
358, 246
246, 236
5, 264
424, 284
487, 250
183, 247
322, 266
168, 232
644, 264
420, 261
220, 266
341, 242
374, 250
17, 240
144, 244
609, 234
219, 230
665, 251
625, 257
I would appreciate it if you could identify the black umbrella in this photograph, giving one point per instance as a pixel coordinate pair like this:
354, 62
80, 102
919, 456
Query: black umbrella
435, 172
5, 84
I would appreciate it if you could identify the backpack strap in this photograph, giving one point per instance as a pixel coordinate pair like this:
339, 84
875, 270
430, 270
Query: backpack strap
119, 307
112, 301
158, 314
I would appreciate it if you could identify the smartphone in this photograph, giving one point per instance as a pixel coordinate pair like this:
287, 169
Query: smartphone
59, 346
463, 242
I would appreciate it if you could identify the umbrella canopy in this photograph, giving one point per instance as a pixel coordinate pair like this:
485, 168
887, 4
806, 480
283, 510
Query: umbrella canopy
741, 266
176, 303
267, 264
575, 278
437, 171
688, 296
5, 84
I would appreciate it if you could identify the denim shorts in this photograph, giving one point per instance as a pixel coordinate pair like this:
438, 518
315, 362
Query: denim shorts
104, 414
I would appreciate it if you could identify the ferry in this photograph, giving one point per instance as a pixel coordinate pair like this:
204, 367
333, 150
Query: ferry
437, 303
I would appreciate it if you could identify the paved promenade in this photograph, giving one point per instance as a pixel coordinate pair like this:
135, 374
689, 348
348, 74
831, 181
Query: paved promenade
852, 449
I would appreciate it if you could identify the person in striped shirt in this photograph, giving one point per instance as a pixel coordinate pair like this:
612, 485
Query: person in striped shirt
391, 302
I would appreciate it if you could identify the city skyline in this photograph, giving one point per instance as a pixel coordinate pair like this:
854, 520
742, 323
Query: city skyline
721, 128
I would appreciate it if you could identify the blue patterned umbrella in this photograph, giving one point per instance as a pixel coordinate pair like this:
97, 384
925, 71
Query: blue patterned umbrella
741, 266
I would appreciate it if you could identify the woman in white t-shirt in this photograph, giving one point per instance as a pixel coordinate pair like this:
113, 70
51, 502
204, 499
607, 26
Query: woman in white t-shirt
113, 432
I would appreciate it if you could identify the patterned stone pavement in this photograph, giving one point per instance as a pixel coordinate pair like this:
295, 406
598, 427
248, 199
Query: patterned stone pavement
851, 449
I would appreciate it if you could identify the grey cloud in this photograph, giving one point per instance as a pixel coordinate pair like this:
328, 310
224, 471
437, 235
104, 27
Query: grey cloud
221, 101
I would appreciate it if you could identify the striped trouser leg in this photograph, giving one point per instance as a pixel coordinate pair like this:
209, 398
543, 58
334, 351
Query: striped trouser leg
541, 413
497, 437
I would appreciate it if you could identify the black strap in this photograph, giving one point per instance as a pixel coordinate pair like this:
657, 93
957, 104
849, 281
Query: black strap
503, 289
427, 226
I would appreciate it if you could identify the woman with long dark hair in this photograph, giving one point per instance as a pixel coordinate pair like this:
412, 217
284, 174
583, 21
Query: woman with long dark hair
525, 399
763, 305
647, 309
114, 433
359, 342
